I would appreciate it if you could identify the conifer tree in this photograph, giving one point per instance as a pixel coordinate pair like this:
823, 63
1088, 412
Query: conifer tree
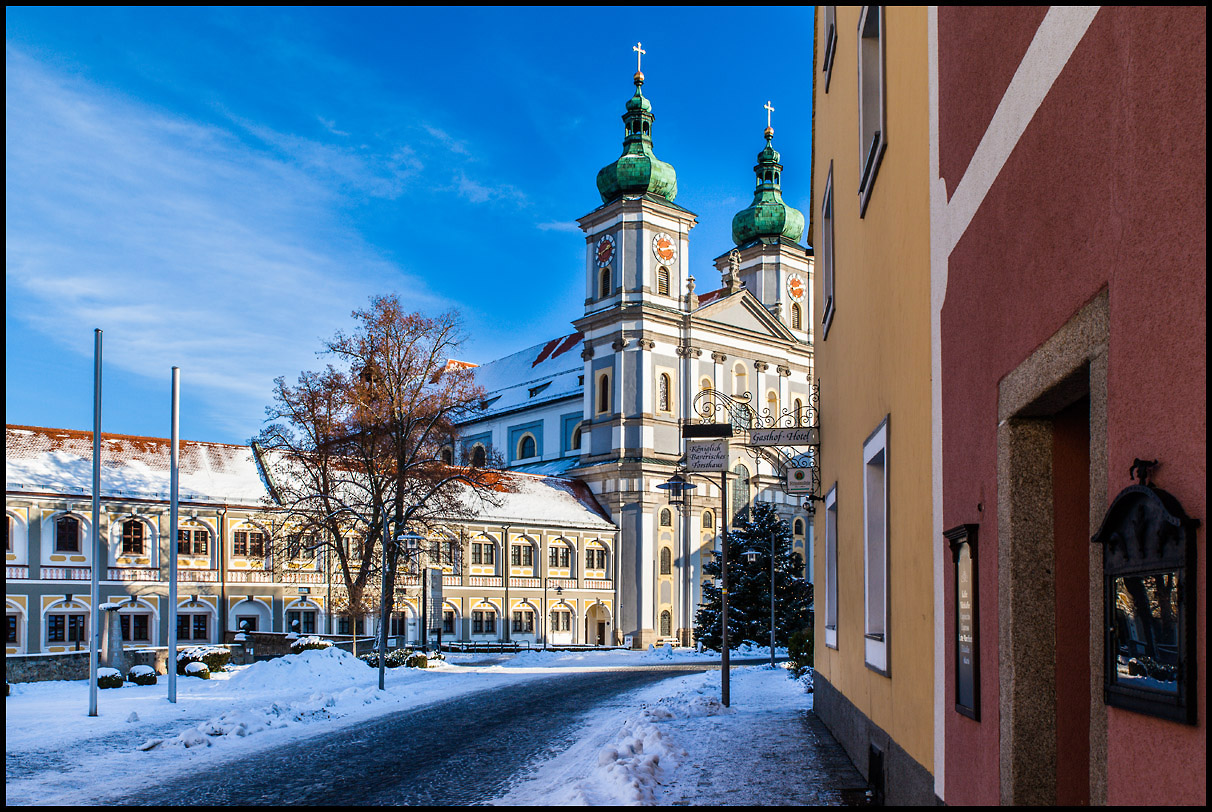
749, 584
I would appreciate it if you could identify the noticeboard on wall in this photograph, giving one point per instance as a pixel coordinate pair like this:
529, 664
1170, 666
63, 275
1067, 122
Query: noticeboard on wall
962, 540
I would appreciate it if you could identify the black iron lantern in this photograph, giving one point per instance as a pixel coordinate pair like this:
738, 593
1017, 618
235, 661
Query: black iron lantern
677, 487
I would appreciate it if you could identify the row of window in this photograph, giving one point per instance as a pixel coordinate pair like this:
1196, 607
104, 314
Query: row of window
71, 627
606, 289
664, 402
873, 138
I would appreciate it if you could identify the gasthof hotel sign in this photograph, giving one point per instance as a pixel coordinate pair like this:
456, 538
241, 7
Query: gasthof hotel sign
800, 435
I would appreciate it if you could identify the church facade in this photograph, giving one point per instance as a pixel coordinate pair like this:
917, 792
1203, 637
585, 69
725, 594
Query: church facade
606, 403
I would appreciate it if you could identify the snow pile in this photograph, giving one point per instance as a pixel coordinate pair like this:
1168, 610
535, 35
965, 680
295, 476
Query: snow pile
142, 671
629, 770
329, 668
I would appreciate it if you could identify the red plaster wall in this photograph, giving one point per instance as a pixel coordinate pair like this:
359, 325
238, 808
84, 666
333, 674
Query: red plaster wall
1106, 189
985, 46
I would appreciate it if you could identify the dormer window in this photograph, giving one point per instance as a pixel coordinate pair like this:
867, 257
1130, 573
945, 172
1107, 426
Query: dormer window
534, 390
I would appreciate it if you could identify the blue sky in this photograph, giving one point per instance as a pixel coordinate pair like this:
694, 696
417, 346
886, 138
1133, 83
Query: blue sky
218, 189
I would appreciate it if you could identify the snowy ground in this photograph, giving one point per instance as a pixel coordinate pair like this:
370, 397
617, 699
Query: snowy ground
56, 754
657, 744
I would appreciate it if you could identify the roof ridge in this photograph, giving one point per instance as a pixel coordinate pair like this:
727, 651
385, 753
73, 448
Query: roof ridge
117, 436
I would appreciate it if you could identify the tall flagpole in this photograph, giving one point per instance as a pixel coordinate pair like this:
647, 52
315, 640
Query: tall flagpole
94, 625
173, 479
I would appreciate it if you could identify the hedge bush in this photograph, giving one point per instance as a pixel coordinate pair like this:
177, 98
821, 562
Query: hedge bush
214, 657
198, 669
109, 678
395, 658
309, 644
800, 650
142, 675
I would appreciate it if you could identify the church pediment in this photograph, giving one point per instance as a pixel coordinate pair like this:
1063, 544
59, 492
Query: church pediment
743, 311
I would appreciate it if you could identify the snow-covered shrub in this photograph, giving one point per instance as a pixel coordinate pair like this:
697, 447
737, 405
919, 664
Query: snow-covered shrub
214, 657
417, 660
109, 678
309, 644
395, 658
197, 669
142, 675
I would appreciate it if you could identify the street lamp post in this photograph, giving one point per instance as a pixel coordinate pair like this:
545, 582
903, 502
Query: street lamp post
559, 590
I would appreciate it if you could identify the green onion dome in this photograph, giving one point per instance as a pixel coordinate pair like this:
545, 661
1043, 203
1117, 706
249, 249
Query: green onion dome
767, 217
637, 171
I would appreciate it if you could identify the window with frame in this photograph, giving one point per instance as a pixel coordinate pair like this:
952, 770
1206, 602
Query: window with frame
301, 621
478, 456
825, 258
708, 520
521, 555
192, 541
830, 44
527, 447
595, 558
603, 393
575, 444
875, 547
663, 281
831, 568
740, 384
666, 623
65, 627
136, 628
246, 623
561, 620
483, 622
523, 621
132, 537
666, 519
560, 556
797, 317
873, 138
67, 534
14, 630
448, 622
603, 283
193, 626
664, 385
666, 561
251, 543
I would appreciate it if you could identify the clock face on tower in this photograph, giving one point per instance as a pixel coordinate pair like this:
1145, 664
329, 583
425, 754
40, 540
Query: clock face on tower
605, 250
664, 248
797, 286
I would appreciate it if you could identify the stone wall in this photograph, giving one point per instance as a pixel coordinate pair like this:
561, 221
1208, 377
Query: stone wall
41, 667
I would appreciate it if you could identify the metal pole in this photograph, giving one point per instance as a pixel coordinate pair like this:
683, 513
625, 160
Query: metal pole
383, 605
724, 589
173, 512
772, 598
94, 645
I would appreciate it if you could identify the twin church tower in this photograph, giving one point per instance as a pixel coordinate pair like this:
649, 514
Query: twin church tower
649, 344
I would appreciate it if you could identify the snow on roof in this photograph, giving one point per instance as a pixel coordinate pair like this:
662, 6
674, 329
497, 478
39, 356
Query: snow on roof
711, 295
534, 499
537, 374
44, 460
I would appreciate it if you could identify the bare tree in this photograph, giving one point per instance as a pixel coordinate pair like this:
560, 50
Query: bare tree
354, 453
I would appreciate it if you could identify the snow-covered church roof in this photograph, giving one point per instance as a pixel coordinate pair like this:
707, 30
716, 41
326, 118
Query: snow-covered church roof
539, 374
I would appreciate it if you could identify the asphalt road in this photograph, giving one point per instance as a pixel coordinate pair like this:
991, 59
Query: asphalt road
462, 751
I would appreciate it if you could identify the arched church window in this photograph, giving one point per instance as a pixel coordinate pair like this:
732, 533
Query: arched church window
527, 447
740, 490
798, 407
603, 394
666, 517
663, 387
772, 403
708, 520
663, 281
447, 455
575, 445
604, 283
797, 318
740, 381
666, 624
478, 456
666, 561
704, 384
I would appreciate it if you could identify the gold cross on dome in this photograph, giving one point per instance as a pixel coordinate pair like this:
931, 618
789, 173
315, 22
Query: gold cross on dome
638, 53
768, 110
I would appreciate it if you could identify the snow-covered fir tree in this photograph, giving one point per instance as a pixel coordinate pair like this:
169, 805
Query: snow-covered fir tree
749, 584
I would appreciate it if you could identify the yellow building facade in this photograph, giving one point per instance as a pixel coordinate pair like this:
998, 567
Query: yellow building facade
874, 558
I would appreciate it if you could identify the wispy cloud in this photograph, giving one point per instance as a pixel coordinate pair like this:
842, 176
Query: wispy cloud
186, 243
476, 192
455, 145
558, 226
